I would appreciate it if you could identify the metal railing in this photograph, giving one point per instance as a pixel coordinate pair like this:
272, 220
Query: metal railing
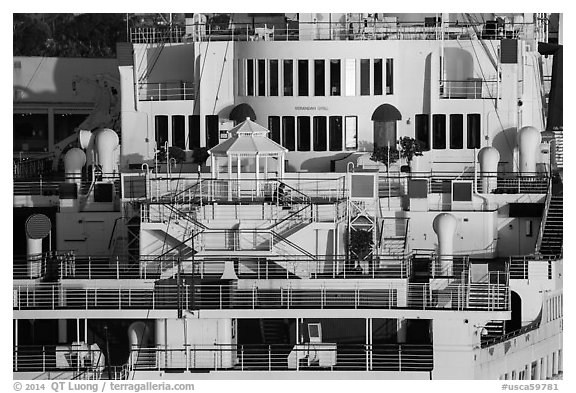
357, 29
485, 296
167, 91
276, 357
48, 186
31, 166
519, 269
474, 88
85, 362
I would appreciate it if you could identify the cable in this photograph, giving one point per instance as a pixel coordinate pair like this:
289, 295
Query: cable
18, 99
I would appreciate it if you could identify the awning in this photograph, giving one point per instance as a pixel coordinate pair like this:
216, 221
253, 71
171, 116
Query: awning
241, 112
386, 112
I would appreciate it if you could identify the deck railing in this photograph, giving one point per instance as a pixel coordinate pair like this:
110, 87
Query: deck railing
462, 296
167, 91
474, 88
519, 266
48, 186
277, 357
385, 28
87, 363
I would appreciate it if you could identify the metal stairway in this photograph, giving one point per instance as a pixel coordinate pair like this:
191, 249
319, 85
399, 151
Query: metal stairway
552, 236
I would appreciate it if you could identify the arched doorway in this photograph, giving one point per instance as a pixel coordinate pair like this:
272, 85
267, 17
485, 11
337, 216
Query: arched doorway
385, 119
241, 112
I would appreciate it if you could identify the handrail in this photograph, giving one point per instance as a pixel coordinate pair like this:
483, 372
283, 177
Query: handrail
544, 216
422, 296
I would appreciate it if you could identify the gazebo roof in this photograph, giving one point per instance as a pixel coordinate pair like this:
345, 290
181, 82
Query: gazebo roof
248, 138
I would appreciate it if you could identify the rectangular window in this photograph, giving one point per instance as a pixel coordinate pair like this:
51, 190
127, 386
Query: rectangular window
250, 77
288, 77
319, 85
178, 131
303, 133
335, 133
350, 77
473, 131
378, 72
212, 130
261, 77
274, 127
456, 131
529, 230
289, 133
302, 77
320, 134
161, 130
193, 132
273, 77
65, 123
365, 77
389, 76
439, 131
351, 132
30, 131
241, 78
335, 77
422, 130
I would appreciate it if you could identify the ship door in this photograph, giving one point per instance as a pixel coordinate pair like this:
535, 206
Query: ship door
385, 119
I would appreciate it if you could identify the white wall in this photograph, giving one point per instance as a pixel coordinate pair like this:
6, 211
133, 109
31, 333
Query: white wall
85, 233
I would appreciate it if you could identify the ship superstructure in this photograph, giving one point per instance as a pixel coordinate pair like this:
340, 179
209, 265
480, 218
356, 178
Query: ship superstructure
235, 223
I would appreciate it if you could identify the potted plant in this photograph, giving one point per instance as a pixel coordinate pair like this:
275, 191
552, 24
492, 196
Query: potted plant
385, 155
409, 148
360, 248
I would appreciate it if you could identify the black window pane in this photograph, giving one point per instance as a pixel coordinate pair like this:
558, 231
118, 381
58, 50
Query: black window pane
250, 77
422, 131
319, 85
273, 77
274, 127
161, 130
365, 77
178, 132
473, 131
303, 133
320, 134
212, 129
335, 133
193, 132
335, 77
261, 77
30, 132
389, 76
439, 131
288, 77
65, 124
456, 131
302, 77
378, 70
288, 133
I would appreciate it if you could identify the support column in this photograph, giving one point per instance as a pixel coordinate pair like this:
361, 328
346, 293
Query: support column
78, 330
560, 366
401, 330
62, 331
544, 368
229, 177
537, 369
16, 332
528, 372
555, 363
213, 169
549, 366
266, 167
86, 330
281, 166
297, 330
257, 174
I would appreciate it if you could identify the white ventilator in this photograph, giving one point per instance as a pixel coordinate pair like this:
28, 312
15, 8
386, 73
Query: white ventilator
445, 227
38, 226
106, 143
74, 160
528, 143
488, 157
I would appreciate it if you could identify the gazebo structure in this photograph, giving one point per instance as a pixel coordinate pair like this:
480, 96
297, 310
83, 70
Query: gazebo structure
248, 144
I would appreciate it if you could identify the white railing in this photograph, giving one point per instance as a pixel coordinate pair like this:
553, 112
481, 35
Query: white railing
262, 357
469, 89
167, 91
485, 296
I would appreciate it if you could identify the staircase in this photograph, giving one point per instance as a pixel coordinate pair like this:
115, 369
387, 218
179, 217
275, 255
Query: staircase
559, 153
552, 236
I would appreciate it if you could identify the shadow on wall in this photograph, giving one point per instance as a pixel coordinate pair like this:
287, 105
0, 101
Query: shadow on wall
505, 143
